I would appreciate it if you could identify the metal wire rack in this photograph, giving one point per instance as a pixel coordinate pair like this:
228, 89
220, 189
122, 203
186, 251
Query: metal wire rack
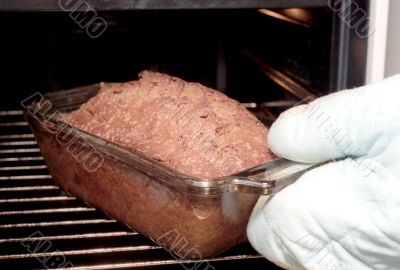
41, 227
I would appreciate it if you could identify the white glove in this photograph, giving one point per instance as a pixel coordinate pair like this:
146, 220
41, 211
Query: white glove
344, 215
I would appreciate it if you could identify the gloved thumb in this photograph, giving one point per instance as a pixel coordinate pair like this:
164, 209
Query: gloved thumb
358, 122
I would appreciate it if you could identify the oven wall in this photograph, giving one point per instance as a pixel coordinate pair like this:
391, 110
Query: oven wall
48, 51
393, 41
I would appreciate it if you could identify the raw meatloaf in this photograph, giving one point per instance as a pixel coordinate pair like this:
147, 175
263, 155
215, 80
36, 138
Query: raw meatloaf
185, 126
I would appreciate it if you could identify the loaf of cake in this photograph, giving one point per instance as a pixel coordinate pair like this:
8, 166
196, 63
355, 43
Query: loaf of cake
186, 126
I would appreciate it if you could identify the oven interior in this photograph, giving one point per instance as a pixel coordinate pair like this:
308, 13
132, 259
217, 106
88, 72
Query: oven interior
251, 55
267, 58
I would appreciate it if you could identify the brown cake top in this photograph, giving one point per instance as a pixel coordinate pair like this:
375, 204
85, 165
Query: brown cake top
186, 126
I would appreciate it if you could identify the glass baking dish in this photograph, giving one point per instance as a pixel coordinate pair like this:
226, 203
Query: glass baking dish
190, 217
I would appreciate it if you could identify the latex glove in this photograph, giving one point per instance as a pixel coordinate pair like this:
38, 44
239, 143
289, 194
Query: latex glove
344, 215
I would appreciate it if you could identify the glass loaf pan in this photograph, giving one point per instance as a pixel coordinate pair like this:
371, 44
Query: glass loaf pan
193, 218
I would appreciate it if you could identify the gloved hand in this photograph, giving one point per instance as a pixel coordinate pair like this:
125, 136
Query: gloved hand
344, 215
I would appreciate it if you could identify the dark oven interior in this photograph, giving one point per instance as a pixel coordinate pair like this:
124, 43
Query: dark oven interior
268, 55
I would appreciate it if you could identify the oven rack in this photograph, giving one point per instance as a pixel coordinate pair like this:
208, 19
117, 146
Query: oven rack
41, 227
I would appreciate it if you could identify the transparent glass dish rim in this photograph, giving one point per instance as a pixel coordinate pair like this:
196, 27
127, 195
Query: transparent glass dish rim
46, 110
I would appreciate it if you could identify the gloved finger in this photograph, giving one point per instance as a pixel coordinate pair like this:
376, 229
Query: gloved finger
348, 123
333, 217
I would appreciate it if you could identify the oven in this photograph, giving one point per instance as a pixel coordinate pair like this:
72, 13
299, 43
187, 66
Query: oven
269, 55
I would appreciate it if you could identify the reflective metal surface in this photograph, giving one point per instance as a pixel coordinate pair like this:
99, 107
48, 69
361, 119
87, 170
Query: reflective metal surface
50, 5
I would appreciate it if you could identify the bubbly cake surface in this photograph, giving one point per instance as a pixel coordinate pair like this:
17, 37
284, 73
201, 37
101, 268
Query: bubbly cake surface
186, 126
